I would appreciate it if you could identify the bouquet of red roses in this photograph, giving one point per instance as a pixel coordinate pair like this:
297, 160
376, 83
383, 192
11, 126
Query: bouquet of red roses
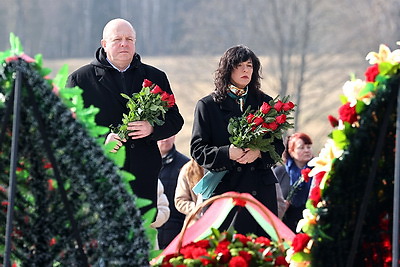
257, 130
150, 104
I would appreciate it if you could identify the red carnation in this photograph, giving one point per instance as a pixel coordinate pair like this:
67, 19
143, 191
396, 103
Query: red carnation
315, 195
238, 261
333, 121
247, 256
265, 108
239, 202
347, 113
280, 261
305, 173
147, 83
281, 119
242, 238
203, 244
300, 242
371, 73
52, 242
263, 240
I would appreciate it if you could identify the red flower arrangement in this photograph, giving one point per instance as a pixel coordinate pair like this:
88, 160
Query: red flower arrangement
228, 249
150, 104
257, 130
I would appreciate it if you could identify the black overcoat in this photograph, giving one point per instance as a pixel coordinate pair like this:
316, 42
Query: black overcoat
210, 145
102, 85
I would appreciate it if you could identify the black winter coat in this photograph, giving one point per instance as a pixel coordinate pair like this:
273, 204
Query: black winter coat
171, 166
102, 85
210, 148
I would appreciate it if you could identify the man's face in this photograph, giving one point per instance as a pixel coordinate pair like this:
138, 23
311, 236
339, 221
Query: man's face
165, 145
119, 44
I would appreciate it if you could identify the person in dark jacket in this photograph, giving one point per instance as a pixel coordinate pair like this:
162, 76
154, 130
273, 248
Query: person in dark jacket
296, 156
172, 162
237, 86
116, 69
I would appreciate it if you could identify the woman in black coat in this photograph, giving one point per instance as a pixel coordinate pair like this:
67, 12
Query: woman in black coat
117, 69
237, 86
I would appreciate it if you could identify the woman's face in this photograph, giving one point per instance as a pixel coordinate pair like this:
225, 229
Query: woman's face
301, 152
241, 74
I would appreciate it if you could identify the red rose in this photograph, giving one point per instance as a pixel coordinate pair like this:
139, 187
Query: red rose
281, 119
305, 173
288, 106
250, 118
171, 100
157, 90
347, 113
273, 126
300, 242
278, 105
258, 121
280, 261
238, 261
263, 240
333, 121
265, 108
147, 83
371, 73
199, 252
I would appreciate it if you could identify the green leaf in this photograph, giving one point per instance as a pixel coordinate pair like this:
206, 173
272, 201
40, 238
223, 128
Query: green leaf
61, 78
340, 139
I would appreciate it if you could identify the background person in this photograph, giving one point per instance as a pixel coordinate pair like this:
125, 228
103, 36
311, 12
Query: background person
172, 162
237, 86
297, 154
163, 211
116, 69
185, 199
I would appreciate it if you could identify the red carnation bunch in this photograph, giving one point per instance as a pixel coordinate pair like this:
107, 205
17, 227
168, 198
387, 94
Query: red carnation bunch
228, 249
150, 104
257, 130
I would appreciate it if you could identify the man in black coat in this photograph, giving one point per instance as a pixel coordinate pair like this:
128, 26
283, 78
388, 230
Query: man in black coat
172, 162
117, 69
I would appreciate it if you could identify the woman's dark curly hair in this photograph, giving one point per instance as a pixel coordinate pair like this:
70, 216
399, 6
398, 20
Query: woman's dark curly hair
229, 60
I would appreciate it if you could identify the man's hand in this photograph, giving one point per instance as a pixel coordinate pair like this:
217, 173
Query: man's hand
114, 137
139, 129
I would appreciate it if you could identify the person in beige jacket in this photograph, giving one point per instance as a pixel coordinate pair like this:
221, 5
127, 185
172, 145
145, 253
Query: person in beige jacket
163, 210
185, 199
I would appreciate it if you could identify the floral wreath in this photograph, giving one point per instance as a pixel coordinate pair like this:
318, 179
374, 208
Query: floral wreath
357, 96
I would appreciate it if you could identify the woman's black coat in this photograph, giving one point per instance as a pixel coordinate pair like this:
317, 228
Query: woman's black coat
210, 146
102, 85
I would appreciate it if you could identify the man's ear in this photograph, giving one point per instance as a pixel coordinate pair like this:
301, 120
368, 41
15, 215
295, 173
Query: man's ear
103, 43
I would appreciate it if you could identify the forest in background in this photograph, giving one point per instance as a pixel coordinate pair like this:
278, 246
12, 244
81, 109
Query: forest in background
310, 47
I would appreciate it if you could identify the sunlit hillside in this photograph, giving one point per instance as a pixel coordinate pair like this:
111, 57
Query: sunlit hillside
192, 78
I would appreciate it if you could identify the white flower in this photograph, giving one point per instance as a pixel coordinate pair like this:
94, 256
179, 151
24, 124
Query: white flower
352, 89
384, 55
325, 158
2, 98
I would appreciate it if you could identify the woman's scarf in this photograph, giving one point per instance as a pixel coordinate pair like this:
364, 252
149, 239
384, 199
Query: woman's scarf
238, 94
